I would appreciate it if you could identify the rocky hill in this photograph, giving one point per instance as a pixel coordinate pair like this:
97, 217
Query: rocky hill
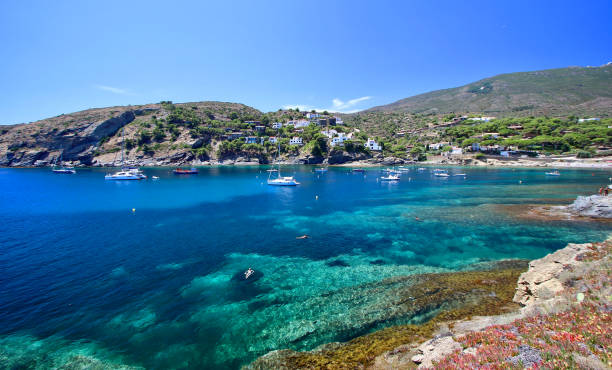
581, 91
163, 132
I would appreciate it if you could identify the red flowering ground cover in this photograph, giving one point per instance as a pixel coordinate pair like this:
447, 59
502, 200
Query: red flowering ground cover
562, 340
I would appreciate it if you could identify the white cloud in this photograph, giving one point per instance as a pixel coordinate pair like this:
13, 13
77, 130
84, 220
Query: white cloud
337, 106
114, 90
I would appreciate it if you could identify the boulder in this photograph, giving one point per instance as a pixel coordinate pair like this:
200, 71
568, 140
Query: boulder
435, 350
543, 278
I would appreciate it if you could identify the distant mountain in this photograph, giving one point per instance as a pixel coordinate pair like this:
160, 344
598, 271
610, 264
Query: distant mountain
582, 91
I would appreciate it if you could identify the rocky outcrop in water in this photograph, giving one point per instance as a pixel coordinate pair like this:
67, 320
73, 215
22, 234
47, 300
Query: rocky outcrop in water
592, 206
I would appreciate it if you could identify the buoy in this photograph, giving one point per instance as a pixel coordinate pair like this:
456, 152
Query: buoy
133, 209
520, 181
316, 197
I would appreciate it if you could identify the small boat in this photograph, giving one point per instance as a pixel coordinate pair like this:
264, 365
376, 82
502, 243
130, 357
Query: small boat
181, 171
272, 170
420, 169
321, 169
553, 173
358, 170
460, 174
248, 273
155, 177
62, 169
441, 174
390, 178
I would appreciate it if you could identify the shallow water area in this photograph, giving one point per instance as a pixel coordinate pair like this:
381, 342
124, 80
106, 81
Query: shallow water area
144, 273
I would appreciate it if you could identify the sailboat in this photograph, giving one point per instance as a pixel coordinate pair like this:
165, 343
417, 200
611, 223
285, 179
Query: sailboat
125, 173
280, 180
324, 169
62, 169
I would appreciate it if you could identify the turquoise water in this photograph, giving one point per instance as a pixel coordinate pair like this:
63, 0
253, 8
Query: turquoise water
86, 280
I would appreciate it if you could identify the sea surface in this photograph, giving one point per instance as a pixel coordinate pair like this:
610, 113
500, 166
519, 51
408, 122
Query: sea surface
148, 273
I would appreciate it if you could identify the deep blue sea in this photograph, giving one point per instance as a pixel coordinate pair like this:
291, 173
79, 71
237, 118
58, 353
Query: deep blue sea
145, 273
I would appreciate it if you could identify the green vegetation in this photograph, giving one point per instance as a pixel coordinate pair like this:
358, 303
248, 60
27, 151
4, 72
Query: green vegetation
554, 92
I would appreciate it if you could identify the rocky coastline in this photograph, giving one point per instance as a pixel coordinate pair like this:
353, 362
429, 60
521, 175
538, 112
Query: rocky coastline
526, 329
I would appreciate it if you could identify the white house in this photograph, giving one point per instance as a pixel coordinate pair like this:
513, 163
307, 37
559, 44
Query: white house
340, 139
456, 151
312, 115
589, 119
331, 133
438, 146
273, 139
296, 140
301, 123
277, 125
475, 147
483, 119
339, 121
372, 145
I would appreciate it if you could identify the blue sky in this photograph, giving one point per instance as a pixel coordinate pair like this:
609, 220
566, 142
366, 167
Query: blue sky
63, 56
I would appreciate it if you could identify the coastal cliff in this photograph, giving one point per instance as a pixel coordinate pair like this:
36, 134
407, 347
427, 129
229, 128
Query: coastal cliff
559, 314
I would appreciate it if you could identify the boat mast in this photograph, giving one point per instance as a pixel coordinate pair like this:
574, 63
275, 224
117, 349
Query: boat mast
122, 144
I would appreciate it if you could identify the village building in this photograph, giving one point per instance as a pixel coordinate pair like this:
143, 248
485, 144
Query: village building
296, 140
372, 145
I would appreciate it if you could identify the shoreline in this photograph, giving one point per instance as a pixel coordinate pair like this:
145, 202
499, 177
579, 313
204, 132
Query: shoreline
605, 164
574, 281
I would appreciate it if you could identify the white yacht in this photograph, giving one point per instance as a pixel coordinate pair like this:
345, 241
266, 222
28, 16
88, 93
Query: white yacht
280, 180
390, 178
125, 173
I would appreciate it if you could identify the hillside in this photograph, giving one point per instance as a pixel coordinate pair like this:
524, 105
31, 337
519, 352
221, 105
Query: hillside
581, 91
163, 131
166, 134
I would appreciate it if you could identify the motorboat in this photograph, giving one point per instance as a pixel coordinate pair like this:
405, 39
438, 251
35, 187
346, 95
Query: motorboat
390, 178
155, 177
441, 174
248, 273
321, 169
64, 170
358, 170
190, 171
553, 173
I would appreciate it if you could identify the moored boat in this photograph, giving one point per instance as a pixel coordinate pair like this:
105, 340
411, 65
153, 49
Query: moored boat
62, 169
553, 173
182, 171
390, 178
126, 173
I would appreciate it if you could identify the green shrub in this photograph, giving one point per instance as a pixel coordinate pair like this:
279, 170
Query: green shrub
480, 156
583, 154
